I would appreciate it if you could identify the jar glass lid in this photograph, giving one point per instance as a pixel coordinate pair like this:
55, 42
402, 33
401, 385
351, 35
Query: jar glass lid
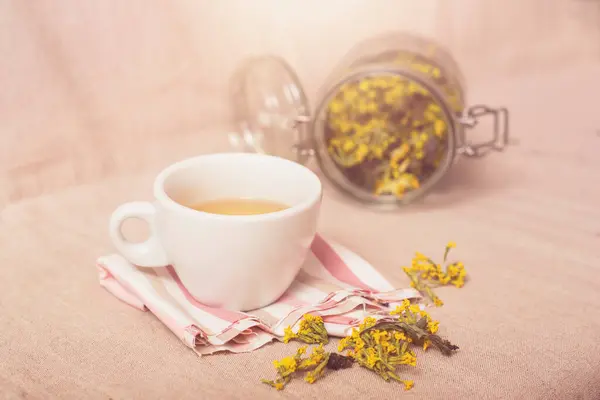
268, 104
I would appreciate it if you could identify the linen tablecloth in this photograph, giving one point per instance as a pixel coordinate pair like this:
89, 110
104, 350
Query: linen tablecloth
527, 226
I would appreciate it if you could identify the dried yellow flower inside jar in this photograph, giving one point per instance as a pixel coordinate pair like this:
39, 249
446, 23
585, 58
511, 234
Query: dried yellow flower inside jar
389, 124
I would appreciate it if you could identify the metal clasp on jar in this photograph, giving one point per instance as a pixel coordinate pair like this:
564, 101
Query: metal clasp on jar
305, 148
471, 117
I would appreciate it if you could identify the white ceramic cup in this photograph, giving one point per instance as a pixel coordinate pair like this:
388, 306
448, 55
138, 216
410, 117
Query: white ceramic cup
239, 262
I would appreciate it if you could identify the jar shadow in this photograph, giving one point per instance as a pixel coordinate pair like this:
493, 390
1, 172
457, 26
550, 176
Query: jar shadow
466, 180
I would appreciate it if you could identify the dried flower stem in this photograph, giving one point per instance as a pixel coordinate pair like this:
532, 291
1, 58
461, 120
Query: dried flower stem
380, 346
424, 274
379, 350
314, 366
311, 331
418, 334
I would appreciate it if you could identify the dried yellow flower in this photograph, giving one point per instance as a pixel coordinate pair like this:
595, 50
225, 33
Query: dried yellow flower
317, 356
343, 344
408, 358
359, 344
367, 323
286, 365
400, 336
399, 124
401, 308
311, 330
380, 350
288, 334
433, 326
314, 365
378, 345
424, 273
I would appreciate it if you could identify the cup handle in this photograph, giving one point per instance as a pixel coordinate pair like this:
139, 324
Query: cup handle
149, 253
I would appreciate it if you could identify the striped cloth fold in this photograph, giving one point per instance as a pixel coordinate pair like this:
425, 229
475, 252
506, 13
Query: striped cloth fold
334, 283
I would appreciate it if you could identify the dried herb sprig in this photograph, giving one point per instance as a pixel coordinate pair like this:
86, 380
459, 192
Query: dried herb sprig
311, 330
380, 350
421, 333
425, 274
418, 334
418, 325
413, 314
381, 346
314, 366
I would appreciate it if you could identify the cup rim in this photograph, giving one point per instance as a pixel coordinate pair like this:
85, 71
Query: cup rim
165, 200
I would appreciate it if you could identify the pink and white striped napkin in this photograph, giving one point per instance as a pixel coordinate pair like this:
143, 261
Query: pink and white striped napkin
334, 283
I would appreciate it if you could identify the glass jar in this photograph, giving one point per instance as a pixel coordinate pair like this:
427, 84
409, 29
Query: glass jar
389, 124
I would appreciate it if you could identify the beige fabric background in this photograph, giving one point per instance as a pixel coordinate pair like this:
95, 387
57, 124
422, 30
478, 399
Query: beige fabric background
98, 96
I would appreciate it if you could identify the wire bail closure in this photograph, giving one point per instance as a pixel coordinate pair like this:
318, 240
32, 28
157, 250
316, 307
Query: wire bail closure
305, 148
471, 117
